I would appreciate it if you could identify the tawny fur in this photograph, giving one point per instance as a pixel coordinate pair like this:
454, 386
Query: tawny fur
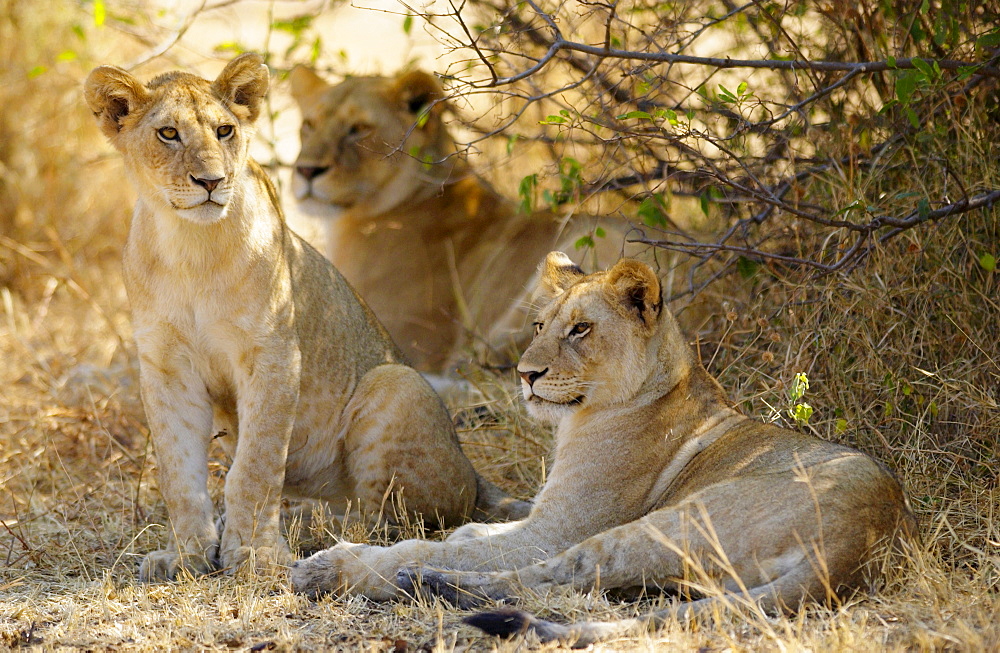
443, 259
657, 481
244, 330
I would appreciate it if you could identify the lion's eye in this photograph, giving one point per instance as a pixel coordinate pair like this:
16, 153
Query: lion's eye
538, 327
224, 131
579, 329
358, 131
168, 134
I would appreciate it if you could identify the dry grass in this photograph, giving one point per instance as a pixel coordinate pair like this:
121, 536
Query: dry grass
904, 351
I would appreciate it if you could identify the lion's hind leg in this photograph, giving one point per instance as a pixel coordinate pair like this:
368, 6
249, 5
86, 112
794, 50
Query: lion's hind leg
401, 445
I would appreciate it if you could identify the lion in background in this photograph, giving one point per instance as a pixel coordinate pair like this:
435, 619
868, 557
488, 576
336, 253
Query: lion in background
246, 333
657, 481
442, 258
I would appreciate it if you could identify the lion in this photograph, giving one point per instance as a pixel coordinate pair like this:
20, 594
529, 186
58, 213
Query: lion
657, 480
245, 332
442, 258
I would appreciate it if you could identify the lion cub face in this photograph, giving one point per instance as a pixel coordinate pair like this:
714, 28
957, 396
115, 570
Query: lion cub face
592, 337
184, 139
367, 140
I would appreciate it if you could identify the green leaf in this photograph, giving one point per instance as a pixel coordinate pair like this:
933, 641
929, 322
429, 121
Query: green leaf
891, 60
36, 71
230, 46
799, 386
746, 267
651, 213
511, 140
840, 425
856, 204
553, 120
600, 233
315, 50
635, 114
989, 41
100, 12
923, 67
526, 191
584, 241
423, 116
801, 413
906, 84
923, 208
911, 115
703, 201
988, 262
78, 30
294, 26
741, 89
66, 55
407, 24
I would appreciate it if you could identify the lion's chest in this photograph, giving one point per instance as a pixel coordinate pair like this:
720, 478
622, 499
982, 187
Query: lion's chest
193, 334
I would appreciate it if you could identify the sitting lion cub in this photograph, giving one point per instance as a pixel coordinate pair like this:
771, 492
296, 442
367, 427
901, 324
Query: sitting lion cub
245, 331
442, 258
657, 479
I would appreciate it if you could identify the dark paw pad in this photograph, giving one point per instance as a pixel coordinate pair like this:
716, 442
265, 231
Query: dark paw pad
407, 580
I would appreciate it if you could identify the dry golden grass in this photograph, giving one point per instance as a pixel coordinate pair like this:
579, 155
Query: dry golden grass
904, 351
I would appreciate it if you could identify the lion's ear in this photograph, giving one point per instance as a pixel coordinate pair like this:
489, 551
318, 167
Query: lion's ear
555, 274
112, 94
636, 285
243, 83
305, 83
418, 91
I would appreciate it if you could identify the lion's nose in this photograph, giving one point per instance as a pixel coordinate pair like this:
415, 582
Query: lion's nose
310, 172
532, 375
207, 184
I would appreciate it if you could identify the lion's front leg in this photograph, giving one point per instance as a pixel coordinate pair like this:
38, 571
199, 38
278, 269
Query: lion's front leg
267, 400
179, 413
373, 570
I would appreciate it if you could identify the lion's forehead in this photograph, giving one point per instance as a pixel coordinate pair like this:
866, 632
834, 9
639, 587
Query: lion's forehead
351, 102
189, 107
583, 302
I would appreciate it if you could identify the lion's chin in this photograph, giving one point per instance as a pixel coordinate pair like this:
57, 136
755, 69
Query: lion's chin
551, 412
206, 213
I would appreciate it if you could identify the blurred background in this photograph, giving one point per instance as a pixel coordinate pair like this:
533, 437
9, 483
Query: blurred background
828, 233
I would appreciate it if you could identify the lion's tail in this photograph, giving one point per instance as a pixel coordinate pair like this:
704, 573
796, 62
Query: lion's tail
493, 504
775, 596
507, 622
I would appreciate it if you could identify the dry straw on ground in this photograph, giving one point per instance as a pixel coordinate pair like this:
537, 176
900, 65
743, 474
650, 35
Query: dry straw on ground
902, 356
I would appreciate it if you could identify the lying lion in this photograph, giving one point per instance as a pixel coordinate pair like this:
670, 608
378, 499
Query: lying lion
657, 480
441, 257
243, 330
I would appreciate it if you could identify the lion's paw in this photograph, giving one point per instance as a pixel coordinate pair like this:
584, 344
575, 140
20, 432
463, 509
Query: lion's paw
261, 559
167, 563
324, 572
